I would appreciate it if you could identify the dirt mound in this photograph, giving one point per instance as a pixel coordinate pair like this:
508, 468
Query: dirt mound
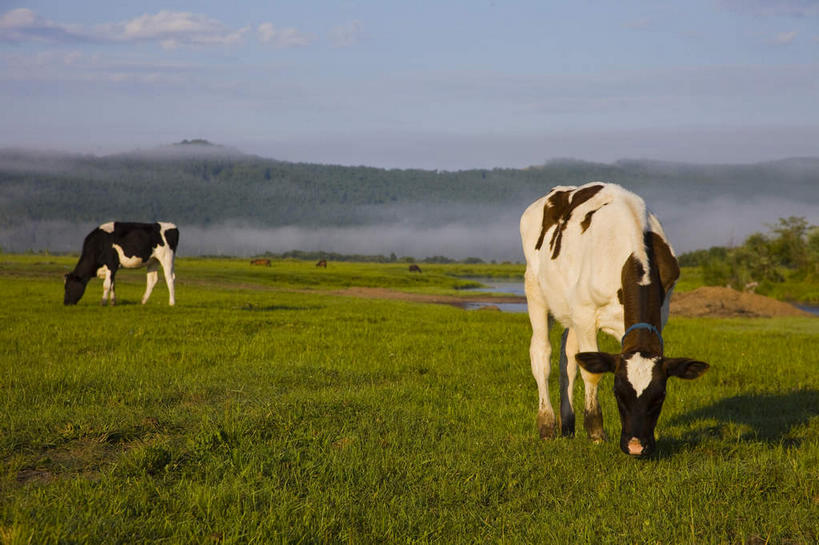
728, 303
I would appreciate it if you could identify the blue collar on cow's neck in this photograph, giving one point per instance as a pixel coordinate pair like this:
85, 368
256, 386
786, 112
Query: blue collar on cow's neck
643, 325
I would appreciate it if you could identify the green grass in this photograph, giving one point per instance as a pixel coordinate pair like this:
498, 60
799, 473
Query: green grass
260, 410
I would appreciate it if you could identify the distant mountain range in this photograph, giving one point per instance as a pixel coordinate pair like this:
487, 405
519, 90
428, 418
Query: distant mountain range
50, 200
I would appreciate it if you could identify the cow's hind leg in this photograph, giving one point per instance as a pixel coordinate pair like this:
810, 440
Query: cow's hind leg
152, 278
592, 414
170, 276
539, 354
568, 372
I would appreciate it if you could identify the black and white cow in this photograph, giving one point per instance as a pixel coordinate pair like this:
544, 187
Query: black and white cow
116, 245
597, 259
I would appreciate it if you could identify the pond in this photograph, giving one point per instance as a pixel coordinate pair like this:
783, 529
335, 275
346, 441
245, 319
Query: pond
813, 309
515, 287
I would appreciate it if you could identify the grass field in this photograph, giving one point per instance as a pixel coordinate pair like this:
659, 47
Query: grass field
261, 409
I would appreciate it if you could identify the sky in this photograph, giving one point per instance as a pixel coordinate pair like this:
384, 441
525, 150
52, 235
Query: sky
423, 84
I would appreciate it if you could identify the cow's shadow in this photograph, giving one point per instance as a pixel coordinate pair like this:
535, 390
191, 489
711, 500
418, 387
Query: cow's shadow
766, 418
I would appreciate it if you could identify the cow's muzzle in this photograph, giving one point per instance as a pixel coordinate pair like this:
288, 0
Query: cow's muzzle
635, 448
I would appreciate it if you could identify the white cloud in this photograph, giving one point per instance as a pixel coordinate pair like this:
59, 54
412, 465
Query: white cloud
172, 28
282, 37
347, 34
22, 25
784, 38
168, 28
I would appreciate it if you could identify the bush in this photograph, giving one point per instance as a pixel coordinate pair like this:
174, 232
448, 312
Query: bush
792, 246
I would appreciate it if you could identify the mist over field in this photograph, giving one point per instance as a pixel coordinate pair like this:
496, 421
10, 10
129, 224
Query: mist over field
229, 203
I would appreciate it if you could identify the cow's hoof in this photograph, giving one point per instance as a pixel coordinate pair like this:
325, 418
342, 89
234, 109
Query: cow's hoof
598, 437
593, 422
546, 425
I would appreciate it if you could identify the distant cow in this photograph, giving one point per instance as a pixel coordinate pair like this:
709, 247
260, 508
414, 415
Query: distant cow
116, 245
263, 262
597, 259
414, 268
322, 263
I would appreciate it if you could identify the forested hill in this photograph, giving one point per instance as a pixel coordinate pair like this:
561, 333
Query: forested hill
209, 184
206, 185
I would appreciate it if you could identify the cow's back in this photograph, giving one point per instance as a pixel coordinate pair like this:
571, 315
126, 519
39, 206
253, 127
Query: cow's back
576, 240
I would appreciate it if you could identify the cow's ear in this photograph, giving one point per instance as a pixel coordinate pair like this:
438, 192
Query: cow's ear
684, 367
597, 362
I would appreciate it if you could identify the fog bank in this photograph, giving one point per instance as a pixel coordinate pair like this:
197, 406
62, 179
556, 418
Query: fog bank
487, 234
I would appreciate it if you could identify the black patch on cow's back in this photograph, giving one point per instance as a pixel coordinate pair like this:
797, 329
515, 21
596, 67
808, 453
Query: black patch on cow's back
586, 223
137, 239
172, 236
552, 211
558, 211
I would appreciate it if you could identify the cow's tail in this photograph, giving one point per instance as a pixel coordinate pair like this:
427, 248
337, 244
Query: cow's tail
172, 236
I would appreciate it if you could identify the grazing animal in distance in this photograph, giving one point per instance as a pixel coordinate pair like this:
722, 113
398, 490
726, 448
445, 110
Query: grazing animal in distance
115, 245
260, 261
596, 259
414, 268
322, 263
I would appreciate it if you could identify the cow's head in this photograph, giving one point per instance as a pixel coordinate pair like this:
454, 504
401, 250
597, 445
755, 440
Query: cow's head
639, 388
74, 288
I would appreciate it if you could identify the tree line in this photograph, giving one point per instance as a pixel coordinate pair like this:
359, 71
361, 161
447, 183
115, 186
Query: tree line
217, 185
789, 251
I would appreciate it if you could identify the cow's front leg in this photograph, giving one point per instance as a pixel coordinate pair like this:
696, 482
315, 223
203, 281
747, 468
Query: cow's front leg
108, 286
592, 414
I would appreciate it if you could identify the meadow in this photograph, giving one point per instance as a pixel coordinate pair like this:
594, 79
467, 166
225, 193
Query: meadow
266, 408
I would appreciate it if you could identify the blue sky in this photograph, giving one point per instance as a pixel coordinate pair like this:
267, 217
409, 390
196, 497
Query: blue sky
423, 84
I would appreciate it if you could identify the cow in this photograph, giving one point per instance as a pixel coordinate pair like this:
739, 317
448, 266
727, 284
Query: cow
414, 268
322, 263
260, 261
116, 245
596, 259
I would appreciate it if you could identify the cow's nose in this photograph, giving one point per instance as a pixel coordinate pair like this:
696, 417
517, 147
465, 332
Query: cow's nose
635, 447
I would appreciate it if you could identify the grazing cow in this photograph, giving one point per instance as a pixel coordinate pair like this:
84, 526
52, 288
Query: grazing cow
322, 263
116, 245
263, 262
414, 268
597, 259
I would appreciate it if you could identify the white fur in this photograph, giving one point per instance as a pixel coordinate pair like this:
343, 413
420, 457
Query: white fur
639, 371
579, 287
108, 227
